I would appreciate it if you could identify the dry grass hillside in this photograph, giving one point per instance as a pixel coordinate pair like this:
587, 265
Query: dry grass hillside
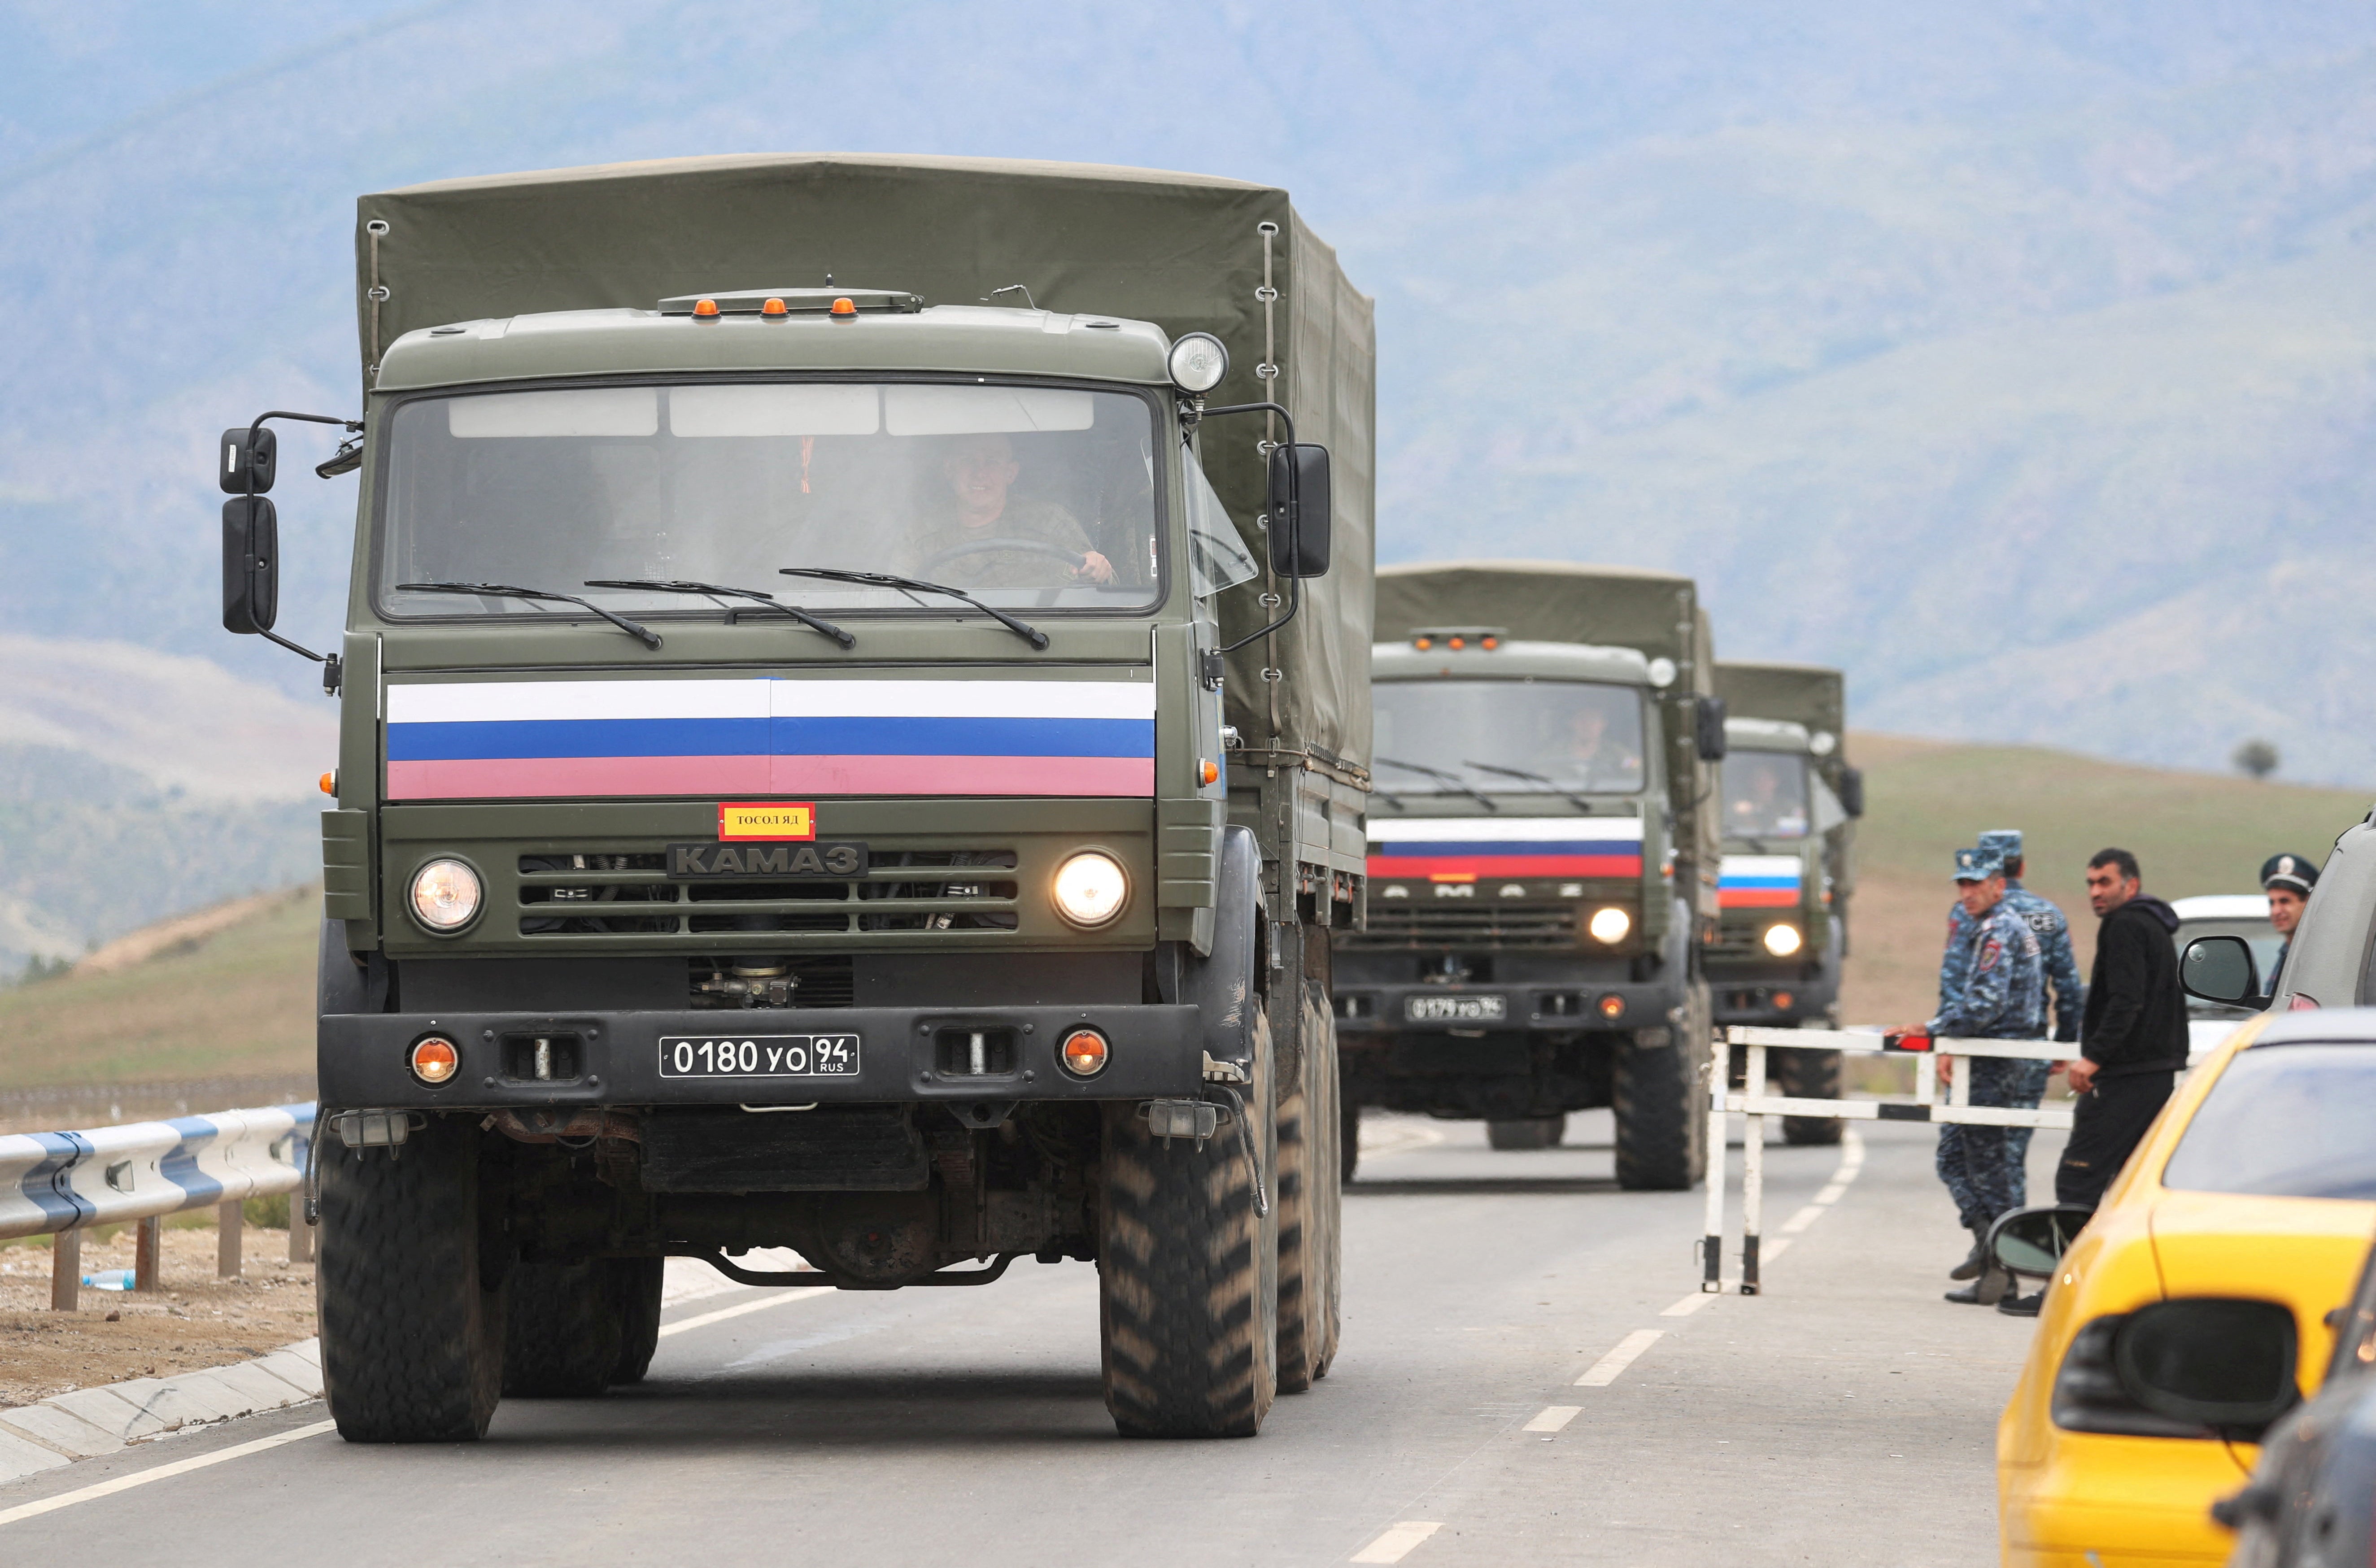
2191, 832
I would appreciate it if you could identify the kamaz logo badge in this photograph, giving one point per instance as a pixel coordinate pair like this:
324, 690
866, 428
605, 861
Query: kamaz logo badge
826, 861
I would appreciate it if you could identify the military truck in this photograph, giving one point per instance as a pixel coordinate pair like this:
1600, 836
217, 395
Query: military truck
855, 706
1791, 801
1542, 858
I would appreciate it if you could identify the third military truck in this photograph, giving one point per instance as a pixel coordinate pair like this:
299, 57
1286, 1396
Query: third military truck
1790, 802
1543, 858
854, 712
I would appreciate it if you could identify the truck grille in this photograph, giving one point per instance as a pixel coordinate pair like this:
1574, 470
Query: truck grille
1486, 925
581, 895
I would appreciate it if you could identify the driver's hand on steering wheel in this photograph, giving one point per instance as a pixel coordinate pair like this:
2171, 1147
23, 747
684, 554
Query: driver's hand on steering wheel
1095, 567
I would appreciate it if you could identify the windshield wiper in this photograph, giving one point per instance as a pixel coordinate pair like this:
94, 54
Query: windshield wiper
1479, 796
720, 590
1033, 634
643, 634
1553, 785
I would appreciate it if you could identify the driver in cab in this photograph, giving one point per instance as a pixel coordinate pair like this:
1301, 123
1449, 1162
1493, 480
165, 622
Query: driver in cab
981, 535
1593, 755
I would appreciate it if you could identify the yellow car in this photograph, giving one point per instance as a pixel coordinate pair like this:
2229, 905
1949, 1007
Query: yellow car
2257, 1185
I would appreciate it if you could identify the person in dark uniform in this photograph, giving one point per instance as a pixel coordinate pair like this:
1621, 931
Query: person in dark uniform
2287, 880
2132, 1043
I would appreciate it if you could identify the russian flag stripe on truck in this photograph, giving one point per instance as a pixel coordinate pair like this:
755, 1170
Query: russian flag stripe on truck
1465, 848
1758, 882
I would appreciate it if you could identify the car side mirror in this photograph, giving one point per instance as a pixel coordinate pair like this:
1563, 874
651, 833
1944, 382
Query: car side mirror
2032, 1241
1708, 728
1298, 510
1852, 790
2220, 968
251, 564
246, 467
2219, 1362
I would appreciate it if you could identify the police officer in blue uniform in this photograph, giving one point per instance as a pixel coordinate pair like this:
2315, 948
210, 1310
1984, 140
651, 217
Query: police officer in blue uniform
2054, 937
1999, 993
2287, 880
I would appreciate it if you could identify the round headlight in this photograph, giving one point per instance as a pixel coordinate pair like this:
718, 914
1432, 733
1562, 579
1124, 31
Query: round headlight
1090, 889
434, 1059
1197, 362
1609, 925
446, 896
1782, 940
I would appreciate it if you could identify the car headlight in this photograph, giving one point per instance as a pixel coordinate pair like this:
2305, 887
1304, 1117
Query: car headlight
1197, 362
1609, 925
446, 896
1090, 889
1782, 940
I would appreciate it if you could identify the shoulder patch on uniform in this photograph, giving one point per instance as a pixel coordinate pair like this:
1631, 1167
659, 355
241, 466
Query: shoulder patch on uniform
1991, 951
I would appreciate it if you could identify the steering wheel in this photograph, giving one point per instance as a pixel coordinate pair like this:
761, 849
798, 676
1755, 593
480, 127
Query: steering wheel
984, 546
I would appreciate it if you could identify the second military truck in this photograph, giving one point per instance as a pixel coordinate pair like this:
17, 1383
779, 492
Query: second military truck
1542, 858
855, 700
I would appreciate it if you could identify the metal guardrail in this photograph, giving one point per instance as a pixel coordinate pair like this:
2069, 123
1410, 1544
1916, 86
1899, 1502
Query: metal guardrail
62, 1184
1753, 1100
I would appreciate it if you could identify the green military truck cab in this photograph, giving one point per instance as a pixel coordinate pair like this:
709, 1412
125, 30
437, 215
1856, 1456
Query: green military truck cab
1542, 858
867, 766
1790, 800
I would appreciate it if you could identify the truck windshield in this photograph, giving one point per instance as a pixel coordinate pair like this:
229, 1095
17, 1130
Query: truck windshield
1764, 795
1585, 735
1028, 498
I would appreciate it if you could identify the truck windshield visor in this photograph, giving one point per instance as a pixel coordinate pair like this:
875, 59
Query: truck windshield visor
1764, 795
1584, 736
1028, 498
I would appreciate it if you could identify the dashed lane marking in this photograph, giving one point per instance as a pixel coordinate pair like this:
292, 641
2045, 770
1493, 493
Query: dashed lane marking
1553, 1416
722, 1314
1605, 1370
1774, 1249
162, 1472
1395, 1544
1830, 1195
1801, 1220
1695, 1301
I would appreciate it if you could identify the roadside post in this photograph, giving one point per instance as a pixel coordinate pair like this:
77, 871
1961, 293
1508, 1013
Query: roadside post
149, 1254
230, 1219
1758, 1107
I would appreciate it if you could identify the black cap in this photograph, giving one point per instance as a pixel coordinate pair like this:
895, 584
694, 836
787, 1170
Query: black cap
2296, 872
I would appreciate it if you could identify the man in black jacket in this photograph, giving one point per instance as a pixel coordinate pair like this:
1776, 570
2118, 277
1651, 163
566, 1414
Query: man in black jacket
2133, 1036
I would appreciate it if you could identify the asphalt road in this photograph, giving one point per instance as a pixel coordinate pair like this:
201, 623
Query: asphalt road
1527, 1376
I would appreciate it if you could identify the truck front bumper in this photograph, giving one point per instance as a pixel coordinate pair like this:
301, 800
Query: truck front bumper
1535, 1008
614, 1058
1777, 994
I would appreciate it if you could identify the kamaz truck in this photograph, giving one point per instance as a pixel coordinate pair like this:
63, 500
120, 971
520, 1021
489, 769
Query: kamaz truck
1542, 858
854, 722
1791, 801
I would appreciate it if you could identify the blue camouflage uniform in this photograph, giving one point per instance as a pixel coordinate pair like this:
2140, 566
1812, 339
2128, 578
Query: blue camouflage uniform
2053, 941
2000, 995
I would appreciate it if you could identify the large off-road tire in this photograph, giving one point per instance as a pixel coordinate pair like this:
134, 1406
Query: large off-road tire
1527, 1132
1659, 1093
563, 1335
1310, 1205
1188, 1272
1348, 1130
1808, 1075
636, 1294
413, 1349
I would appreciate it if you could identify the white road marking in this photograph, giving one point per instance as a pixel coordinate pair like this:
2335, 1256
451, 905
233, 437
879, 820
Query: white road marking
1695, 1301
1395, 1544
1774, 1249
1801, 1220
1553, 1416
1604, 1371
1829, 1196
722, 1314
162, 1472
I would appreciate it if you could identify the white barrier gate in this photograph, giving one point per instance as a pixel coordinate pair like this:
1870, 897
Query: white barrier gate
1753, 1100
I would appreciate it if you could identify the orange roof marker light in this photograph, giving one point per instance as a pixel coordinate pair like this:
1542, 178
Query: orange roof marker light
774, 307
329, 783
705, 310
1458, 639
845, 307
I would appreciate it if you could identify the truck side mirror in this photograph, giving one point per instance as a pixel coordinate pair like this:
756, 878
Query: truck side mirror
2220, 968
251, 563
2218, 1360
1852, 790
1708, 728
1298, 510
241, 462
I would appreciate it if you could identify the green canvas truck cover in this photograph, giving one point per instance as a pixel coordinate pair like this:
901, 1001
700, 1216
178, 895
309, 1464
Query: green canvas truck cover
1811, 695
1183, 251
